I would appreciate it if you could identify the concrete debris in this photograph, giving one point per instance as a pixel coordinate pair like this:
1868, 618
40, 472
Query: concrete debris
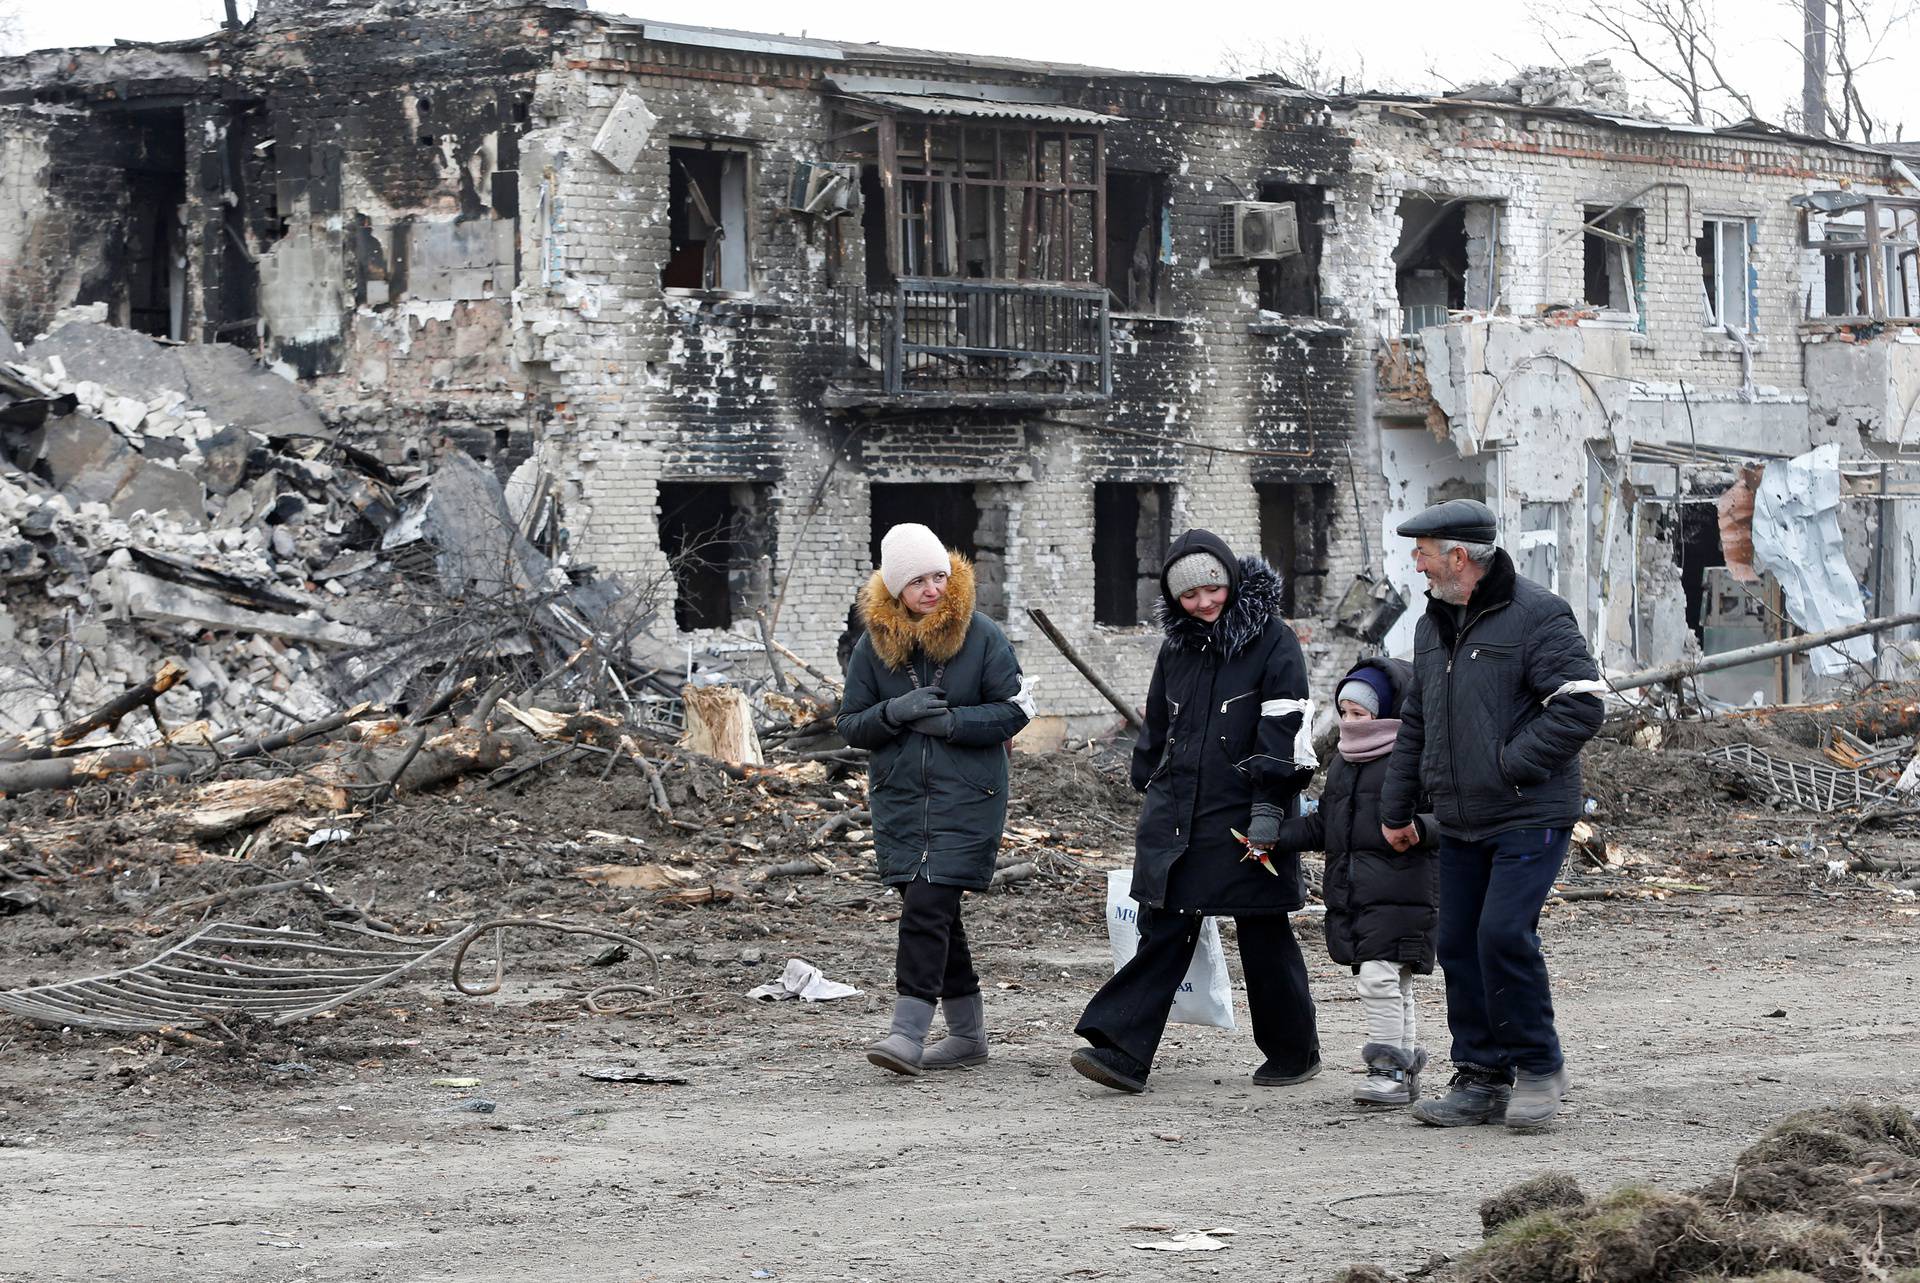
182, 503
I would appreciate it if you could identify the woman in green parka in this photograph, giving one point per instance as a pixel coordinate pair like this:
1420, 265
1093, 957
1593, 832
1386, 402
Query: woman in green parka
933, 694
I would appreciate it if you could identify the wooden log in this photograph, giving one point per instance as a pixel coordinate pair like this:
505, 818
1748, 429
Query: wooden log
306, 731
720, 725
107, 715
66, 772
1094, 679
1021, 872
226, 805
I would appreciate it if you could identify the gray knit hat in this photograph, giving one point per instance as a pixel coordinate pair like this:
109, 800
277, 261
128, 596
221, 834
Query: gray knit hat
1195, 570
1353, 690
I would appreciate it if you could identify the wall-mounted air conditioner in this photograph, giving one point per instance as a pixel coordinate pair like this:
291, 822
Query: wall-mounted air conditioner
824, 189
1257, 231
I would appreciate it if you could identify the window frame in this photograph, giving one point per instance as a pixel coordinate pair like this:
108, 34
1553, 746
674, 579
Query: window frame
1715, 226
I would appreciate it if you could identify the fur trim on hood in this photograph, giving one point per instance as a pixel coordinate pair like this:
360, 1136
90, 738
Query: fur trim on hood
1254, 598
895, 630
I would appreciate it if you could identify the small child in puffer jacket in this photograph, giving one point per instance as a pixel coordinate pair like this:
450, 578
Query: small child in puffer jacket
1381, 904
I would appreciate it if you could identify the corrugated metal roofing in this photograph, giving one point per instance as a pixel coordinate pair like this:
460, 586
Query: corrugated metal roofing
942, 105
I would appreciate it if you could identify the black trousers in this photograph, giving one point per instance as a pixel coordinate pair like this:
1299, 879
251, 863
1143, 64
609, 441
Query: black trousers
933, 961
1130, 1011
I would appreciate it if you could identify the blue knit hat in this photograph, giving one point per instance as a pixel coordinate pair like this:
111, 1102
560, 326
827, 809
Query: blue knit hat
1372, 682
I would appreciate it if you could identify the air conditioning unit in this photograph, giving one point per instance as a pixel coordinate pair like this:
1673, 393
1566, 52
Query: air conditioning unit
823, 189
1257, 231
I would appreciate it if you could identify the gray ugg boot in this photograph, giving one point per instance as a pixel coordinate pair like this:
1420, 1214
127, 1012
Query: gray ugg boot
901, 1050
1391, 1076
1536, 1097
966, 1040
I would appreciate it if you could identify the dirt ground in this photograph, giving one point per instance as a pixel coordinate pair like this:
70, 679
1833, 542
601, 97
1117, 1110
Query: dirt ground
1758, 982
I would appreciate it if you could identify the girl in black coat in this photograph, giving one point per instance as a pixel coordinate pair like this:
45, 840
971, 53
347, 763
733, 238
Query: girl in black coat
934, 692
1224, 755
1381, 904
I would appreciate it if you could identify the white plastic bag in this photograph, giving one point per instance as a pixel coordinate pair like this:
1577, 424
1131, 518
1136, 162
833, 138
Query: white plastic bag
1204, 997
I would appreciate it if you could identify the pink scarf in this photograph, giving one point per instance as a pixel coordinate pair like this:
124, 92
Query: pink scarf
1365, 741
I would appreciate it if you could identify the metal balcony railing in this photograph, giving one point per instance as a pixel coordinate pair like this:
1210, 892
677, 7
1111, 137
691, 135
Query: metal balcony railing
980, 340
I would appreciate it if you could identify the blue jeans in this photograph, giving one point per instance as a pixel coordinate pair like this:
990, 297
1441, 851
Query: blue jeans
1498, 1006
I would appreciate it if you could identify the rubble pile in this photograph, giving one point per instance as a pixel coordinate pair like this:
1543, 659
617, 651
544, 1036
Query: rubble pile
183, 502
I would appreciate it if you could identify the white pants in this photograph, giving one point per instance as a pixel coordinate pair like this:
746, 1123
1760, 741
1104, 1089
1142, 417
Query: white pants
1386, 1001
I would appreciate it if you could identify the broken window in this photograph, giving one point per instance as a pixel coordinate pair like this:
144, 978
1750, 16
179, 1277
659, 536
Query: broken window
1446, 260
717, 540
1612, 261
1870, 252
1294, 521
1137, 239
1535, 547
1291, 285
707, 217
1725, 275
1131, 530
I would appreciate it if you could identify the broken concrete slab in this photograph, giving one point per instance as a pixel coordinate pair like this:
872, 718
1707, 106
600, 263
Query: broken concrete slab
155, 488
9, 350
127, 361
145, 597
236, 390
85, 459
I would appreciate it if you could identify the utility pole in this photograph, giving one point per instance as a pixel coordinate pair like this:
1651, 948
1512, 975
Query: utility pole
1813, 69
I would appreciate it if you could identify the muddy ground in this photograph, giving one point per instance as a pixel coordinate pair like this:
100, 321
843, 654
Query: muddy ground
1755, 980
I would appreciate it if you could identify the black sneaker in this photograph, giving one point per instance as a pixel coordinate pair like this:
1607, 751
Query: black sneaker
1270, 1076
1476, 1095
1111, 1067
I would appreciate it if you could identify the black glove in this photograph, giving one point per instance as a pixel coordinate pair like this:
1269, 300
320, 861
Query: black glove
914, 705
1263, 829
939, 725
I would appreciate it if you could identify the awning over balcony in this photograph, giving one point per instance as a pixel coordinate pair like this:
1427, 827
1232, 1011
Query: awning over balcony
983, 108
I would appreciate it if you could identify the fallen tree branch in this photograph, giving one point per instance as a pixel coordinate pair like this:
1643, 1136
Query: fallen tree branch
107, 715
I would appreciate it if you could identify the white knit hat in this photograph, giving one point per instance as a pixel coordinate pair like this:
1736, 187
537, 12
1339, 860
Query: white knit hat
1195, 570
909, 551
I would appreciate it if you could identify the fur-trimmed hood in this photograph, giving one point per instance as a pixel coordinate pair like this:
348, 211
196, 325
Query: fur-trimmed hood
895, 631
1252, 599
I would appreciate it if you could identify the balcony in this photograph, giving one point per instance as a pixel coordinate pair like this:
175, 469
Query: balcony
943, 343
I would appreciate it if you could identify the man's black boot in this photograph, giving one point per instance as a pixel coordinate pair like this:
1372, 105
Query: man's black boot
1476, 1096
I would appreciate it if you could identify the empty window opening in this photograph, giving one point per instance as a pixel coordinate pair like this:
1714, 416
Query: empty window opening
1136, 239
717, 540
971, 517
949, 509
1291, 285
1447, 258
1131, 530
150, 289
873, 228
1612, 255
1295, 517
707, 219
1726, 298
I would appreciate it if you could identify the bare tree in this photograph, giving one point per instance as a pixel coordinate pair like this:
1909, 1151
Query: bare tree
1859, 35
1673, 42
1675, 46
1299, 61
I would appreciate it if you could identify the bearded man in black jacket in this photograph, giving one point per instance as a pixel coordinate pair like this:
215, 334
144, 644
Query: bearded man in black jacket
1502, 700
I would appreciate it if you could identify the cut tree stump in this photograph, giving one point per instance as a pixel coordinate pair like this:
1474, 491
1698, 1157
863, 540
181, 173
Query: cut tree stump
720, 724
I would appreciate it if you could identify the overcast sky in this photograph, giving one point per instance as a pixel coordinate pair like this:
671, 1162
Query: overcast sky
1402, 43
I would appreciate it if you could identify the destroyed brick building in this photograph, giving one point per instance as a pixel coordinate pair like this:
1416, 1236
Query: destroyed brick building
732, 304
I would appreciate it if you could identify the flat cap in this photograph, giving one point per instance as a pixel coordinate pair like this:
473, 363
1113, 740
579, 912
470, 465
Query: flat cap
1467, 520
